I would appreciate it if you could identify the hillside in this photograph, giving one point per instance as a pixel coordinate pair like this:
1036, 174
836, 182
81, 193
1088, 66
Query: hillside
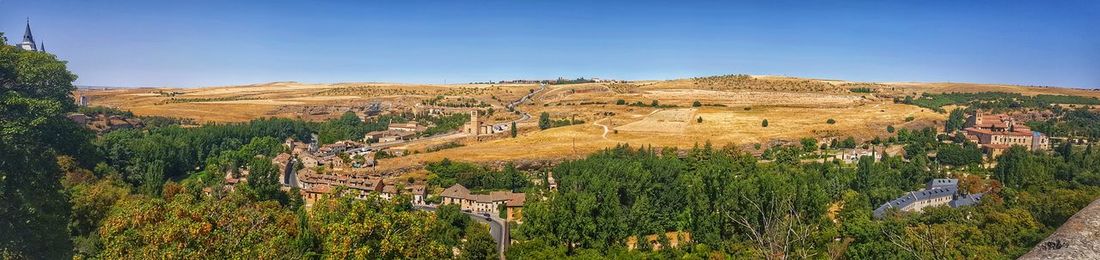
731, 109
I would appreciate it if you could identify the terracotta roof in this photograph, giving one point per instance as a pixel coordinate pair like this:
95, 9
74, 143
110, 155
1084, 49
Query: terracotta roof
456, 191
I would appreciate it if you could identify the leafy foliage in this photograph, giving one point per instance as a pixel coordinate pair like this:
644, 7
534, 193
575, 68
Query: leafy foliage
34, 98
446, 173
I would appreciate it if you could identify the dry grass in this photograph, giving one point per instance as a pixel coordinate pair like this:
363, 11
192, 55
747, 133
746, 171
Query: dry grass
794, 108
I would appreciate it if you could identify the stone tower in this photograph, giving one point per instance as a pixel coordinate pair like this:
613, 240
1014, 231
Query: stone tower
473, 127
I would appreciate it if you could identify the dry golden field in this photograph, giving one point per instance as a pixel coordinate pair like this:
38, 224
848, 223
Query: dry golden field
732, 113
279, 99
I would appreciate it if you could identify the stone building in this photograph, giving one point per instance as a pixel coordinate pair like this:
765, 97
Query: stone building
998, 132
488, 203
938, 192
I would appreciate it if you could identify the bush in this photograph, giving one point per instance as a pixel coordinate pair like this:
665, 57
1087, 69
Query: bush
830, 121
544, 121
890, 129
654, 103
765, 123
699, 120
696, 104
620, 102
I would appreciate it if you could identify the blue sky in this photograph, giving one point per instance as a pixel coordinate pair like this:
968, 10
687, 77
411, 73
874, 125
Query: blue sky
203, 43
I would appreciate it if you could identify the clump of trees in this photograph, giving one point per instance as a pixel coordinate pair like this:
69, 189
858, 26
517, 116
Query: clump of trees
446, 172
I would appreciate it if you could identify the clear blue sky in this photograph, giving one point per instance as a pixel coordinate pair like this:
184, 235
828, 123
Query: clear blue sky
201, 43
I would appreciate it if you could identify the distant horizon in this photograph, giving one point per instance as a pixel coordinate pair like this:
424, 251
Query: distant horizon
214, 43
633, 80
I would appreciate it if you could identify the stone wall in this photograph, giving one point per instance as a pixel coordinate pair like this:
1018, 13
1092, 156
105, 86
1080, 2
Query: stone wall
1078, 238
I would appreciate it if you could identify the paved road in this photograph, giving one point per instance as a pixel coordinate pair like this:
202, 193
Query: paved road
498, 227
524, 115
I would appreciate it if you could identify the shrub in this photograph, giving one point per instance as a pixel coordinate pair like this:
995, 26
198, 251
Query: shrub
696, 104
699, 120
830, 121
765, 123
620, 102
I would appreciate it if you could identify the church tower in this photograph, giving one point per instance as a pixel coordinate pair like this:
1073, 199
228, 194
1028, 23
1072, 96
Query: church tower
28, 39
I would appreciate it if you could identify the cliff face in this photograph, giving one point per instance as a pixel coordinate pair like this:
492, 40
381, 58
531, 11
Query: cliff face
1078, 238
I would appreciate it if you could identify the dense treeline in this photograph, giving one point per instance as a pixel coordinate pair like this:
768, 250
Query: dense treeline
149, 157
734, 206
1073, 123
994, 101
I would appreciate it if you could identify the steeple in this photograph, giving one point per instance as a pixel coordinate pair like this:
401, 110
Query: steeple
28, 39
42, 46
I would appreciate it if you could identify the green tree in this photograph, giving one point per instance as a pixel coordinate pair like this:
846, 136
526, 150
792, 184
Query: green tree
515, 131
452, 223
890, 129
764, 123
696, 104
34, 97
263, 181
544, 121
479, 244
955, 121
374, 228
809, 144
830, 121
1018, 168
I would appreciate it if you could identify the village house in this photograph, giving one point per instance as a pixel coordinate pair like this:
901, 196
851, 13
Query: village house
551, 183
388, 136
286, 164
853, 155
996, 133
310, 161
314, 186
486, 203
938, 192
408, 127
419, 194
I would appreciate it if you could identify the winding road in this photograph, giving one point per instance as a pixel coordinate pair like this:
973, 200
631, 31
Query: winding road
524, 115
498, 227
